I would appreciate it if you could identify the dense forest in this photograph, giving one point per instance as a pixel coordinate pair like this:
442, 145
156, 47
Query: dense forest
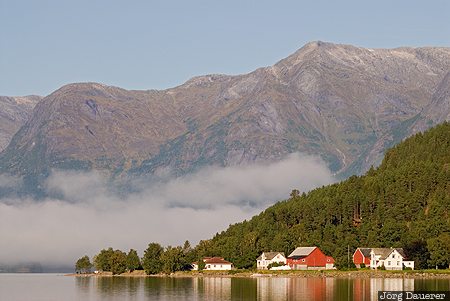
405, 202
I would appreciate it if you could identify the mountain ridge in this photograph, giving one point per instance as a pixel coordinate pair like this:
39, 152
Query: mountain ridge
343, 103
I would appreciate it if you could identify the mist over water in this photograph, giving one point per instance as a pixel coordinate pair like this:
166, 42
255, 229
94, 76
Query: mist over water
88, 216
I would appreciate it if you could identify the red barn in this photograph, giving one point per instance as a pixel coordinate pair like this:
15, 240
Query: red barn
362, 256
309, 258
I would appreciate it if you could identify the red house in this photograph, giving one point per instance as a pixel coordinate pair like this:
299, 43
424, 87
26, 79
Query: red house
362, 256
309, 258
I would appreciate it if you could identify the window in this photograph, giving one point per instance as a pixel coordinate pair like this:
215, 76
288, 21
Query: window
398, 262
303, 260
389, 263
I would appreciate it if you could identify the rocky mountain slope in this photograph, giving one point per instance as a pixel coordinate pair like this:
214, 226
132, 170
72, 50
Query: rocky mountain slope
344, 103
14, 112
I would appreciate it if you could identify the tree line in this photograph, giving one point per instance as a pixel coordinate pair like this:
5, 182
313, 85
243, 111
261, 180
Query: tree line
155, 260
404, 203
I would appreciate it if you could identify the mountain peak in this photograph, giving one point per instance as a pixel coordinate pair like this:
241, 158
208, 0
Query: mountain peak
74, 87
343, 103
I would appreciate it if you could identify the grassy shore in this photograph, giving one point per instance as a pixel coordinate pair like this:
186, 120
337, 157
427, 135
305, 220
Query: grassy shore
364, 273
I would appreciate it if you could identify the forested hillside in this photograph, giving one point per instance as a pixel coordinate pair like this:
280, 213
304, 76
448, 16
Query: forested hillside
405, 202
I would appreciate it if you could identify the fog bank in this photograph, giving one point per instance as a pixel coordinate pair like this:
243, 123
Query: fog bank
88, 216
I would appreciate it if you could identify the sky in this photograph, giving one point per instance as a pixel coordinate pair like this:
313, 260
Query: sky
160, 44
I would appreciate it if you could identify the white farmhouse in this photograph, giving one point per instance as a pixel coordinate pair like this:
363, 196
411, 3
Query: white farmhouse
390, 258
214, 264
267, 258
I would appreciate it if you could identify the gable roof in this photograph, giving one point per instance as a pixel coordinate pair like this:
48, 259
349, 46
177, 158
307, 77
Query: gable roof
385, 252
270, 255
365, 251
401, 252
302, 251
215, 260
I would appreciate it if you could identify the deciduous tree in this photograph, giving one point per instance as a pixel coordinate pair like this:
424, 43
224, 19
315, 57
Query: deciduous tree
83, 265
133, 261
151, 262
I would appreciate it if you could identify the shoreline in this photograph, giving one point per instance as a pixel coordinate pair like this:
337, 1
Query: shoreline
419, 274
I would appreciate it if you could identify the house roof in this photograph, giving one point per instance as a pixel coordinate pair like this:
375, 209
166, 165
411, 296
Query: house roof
385, 252
302, 251
215, 260
365, 251
270, 255
401, 252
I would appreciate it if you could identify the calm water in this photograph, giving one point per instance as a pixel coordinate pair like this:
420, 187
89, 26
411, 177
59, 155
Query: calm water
49, 287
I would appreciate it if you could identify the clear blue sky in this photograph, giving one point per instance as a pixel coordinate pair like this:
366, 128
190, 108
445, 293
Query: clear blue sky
159, 44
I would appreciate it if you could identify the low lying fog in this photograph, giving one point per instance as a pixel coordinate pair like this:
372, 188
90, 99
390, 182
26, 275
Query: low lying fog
89, 217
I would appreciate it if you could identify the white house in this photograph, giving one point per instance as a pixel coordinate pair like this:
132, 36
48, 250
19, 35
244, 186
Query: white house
214, 264
267, 258
390, 258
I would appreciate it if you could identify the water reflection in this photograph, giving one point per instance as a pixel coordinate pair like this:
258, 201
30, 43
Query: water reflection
83, 287
262, 288
109, 288
168, 288
214, 286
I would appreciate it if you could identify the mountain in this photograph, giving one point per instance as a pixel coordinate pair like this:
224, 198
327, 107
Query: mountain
405, 202
438, 110
14, 112
343, 103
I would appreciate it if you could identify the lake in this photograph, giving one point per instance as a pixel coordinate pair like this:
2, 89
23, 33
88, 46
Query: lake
53, 287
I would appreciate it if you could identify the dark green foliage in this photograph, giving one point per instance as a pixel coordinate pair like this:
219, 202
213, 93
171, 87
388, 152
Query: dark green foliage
173, 260
102, 261
403, 203
201, 264
133, 261
418, 252
190, 255
439, 248
118, 262
110, 260
151, 262
275, 264
83, 265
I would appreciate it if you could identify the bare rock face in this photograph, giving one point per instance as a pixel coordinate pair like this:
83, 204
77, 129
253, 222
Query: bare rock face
344, 103
438, 110
14, 112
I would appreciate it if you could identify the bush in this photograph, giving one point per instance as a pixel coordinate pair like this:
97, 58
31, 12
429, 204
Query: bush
275, 264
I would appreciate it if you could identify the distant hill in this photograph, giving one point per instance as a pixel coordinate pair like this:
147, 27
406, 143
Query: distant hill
403, 203
343, 103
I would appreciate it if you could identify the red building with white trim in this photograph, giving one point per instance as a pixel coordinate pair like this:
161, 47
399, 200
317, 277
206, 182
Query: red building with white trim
362, 256
309, 258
